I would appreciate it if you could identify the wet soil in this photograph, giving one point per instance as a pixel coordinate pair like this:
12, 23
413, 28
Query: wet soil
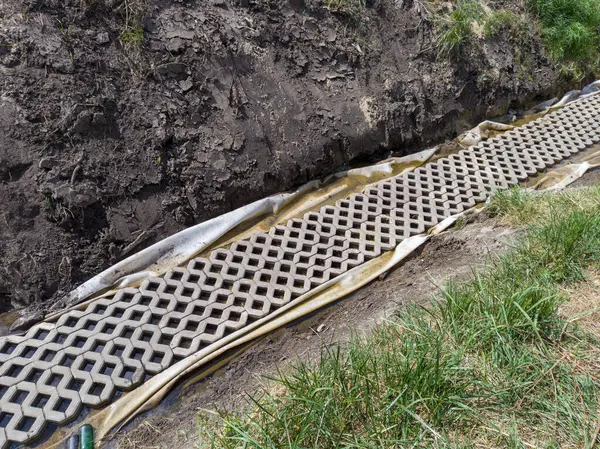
117, 130
452, 255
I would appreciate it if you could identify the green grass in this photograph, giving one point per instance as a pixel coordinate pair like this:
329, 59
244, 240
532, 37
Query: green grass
517, 206
570, 28
490, 363
516, 25
132, 35
457, 27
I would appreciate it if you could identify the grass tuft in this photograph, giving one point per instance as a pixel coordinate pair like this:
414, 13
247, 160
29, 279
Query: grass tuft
570, 28
56, 210
131, 12
458, 27
353, 9
132, 35
516, 25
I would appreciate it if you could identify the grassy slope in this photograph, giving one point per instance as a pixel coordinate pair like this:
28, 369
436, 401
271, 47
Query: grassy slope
570, 29
491, 363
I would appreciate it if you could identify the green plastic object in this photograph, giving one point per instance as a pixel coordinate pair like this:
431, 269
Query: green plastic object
86, 437
73, 442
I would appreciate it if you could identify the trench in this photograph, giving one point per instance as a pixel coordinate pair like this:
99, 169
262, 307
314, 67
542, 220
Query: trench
359, 228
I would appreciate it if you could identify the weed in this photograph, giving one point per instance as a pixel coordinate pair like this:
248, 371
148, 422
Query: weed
64, 30
460, 223
132, 35
131, 12
458, 27
56, 210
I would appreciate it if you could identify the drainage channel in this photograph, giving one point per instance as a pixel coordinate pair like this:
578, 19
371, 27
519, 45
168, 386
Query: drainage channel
49, 375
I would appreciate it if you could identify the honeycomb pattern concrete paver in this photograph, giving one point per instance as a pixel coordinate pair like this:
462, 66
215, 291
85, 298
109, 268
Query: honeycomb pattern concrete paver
55, 370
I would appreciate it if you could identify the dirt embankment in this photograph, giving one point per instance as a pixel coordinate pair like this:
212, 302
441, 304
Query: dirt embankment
113, 136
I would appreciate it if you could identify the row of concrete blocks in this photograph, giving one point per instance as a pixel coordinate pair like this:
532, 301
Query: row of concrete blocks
51, 373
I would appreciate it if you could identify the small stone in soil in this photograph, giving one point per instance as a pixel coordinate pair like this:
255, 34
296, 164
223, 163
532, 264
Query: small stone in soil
186, 84
103, 38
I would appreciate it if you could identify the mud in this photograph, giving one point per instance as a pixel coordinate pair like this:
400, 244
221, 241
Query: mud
110, 141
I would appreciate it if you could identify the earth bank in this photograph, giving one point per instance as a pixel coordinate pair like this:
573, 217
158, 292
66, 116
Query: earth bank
123, 122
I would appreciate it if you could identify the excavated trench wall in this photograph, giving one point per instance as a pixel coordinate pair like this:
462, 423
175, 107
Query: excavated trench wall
108, 144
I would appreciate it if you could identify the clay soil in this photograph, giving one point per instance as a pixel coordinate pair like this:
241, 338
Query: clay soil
125, 121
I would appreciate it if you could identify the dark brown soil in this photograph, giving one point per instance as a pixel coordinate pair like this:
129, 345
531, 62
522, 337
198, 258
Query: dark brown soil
452, 255
103, 139
591, 178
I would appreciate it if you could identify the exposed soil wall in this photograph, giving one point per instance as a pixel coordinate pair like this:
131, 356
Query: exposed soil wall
108, 144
